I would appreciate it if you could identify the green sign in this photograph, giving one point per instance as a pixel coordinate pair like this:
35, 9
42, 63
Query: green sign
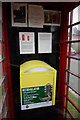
34, 97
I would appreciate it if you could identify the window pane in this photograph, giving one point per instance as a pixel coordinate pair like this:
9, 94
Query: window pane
68, 116
66, 77
4, 110
76, 16
74, 98
0, 71
0, 30
0, 11
74, 66
73, 111
74, 82
75, 50
76, 32
2, 90
68, 33
0, 50
0, 94
69, 18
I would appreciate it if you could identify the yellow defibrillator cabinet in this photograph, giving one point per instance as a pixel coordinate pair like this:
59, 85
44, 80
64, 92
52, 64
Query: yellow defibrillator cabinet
37, 84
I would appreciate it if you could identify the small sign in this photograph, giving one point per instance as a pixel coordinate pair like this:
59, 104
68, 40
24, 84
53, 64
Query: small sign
35, 97
26, 40
36, 16
52, 17
44, 42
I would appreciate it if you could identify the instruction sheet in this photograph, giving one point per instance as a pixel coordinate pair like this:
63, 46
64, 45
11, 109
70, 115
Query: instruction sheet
27, 44
36, 16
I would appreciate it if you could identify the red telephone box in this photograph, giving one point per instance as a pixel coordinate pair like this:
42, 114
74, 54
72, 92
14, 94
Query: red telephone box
62, 37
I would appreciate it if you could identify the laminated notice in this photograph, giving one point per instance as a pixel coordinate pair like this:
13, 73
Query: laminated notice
35, 97
27, 45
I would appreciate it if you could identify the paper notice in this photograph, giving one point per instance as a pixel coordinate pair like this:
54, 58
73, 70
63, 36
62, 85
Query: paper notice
27, 45
36, 16
44, 42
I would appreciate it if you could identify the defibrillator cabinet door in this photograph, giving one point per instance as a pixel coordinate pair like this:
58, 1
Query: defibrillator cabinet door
37, 86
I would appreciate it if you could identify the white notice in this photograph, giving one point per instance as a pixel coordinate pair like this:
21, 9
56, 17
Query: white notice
36, 16
44, 42
27, 45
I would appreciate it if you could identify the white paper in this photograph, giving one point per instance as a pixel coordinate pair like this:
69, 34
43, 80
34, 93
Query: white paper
44, 42
27, 45
36, 16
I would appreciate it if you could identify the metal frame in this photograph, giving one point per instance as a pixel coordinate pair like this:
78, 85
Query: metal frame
3, 106
69, 72
62, 67
62, 63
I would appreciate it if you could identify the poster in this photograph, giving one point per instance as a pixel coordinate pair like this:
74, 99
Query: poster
44, 42
52, 17
27, 44
36, 16
19, 14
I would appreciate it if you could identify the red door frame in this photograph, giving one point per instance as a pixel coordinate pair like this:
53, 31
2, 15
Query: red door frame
7, 59
63, 53
62, 62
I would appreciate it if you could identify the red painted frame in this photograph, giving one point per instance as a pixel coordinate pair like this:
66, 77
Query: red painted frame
63, 70
7, 58
62, 62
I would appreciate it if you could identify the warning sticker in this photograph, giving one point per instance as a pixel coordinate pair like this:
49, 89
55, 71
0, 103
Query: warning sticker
34, 97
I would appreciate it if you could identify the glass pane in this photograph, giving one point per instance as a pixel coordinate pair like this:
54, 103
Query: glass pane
75, 50
65, 101
2, 90
74, 82
0, 50
76, 16
66, 76
76, 32
68, 33
0, 71
67, 50
0, 30
73, 111
0, 94
74, 66
0, 11
68, 116
4, 110
74, 98
69, 18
